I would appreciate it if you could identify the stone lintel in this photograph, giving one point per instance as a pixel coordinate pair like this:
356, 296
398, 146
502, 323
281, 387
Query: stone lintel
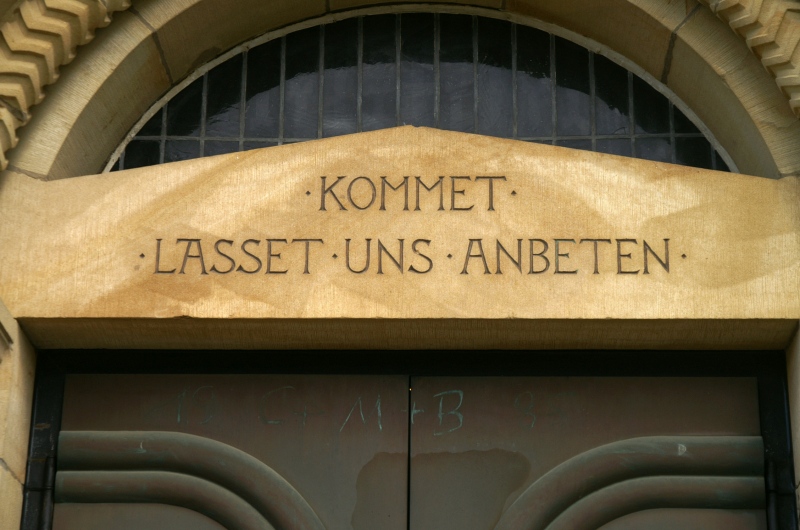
432, 238
409, 334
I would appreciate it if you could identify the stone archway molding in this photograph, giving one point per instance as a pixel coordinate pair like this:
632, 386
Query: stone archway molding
771, 30
39, 37
678, 43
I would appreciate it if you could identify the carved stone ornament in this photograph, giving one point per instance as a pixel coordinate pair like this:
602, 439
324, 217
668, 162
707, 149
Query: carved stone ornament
771, 29
38, 38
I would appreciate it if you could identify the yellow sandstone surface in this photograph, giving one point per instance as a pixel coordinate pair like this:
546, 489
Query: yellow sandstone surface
407, 237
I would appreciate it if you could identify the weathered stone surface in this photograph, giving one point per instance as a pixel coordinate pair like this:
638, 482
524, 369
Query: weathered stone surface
10, 501
17, 370
17, 360
733, 245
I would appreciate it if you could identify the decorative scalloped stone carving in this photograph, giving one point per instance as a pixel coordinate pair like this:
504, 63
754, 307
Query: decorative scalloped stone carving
39, 37
771, 29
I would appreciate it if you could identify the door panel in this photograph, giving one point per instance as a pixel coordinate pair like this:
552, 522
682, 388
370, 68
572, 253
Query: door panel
528, 452
332, 445
686, 519
268, 451
130, 517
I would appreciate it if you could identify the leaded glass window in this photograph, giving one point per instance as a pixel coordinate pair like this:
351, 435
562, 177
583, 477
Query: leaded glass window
455, 72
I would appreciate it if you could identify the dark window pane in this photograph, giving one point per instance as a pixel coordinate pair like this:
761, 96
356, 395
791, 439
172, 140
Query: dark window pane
153, 125
683, 124
262, 115
341, 78
183, 111
572, 90
650, 108
116, 166
658, 149
621, 146
694, 152
585, 145
457, 73
142, 153
475, 92
213, 147
249, 146
534, 86
611, 89
175, 150
495, 99
720, 163
379, 78
224, 98
302, 84
416, 70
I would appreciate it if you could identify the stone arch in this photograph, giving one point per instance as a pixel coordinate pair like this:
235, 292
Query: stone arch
118, 76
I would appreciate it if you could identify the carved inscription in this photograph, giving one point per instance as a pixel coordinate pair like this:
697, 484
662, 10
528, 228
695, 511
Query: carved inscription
529, 256
454, 193
521, 254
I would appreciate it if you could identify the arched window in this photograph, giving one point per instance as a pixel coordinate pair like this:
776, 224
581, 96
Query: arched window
456, 72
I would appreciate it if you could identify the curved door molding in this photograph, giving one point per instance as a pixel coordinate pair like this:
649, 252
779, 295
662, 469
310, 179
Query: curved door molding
156, 487
642, 473
130, 454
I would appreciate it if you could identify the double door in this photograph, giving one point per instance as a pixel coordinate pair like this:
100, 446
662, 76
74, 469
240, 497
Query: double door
393, 452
